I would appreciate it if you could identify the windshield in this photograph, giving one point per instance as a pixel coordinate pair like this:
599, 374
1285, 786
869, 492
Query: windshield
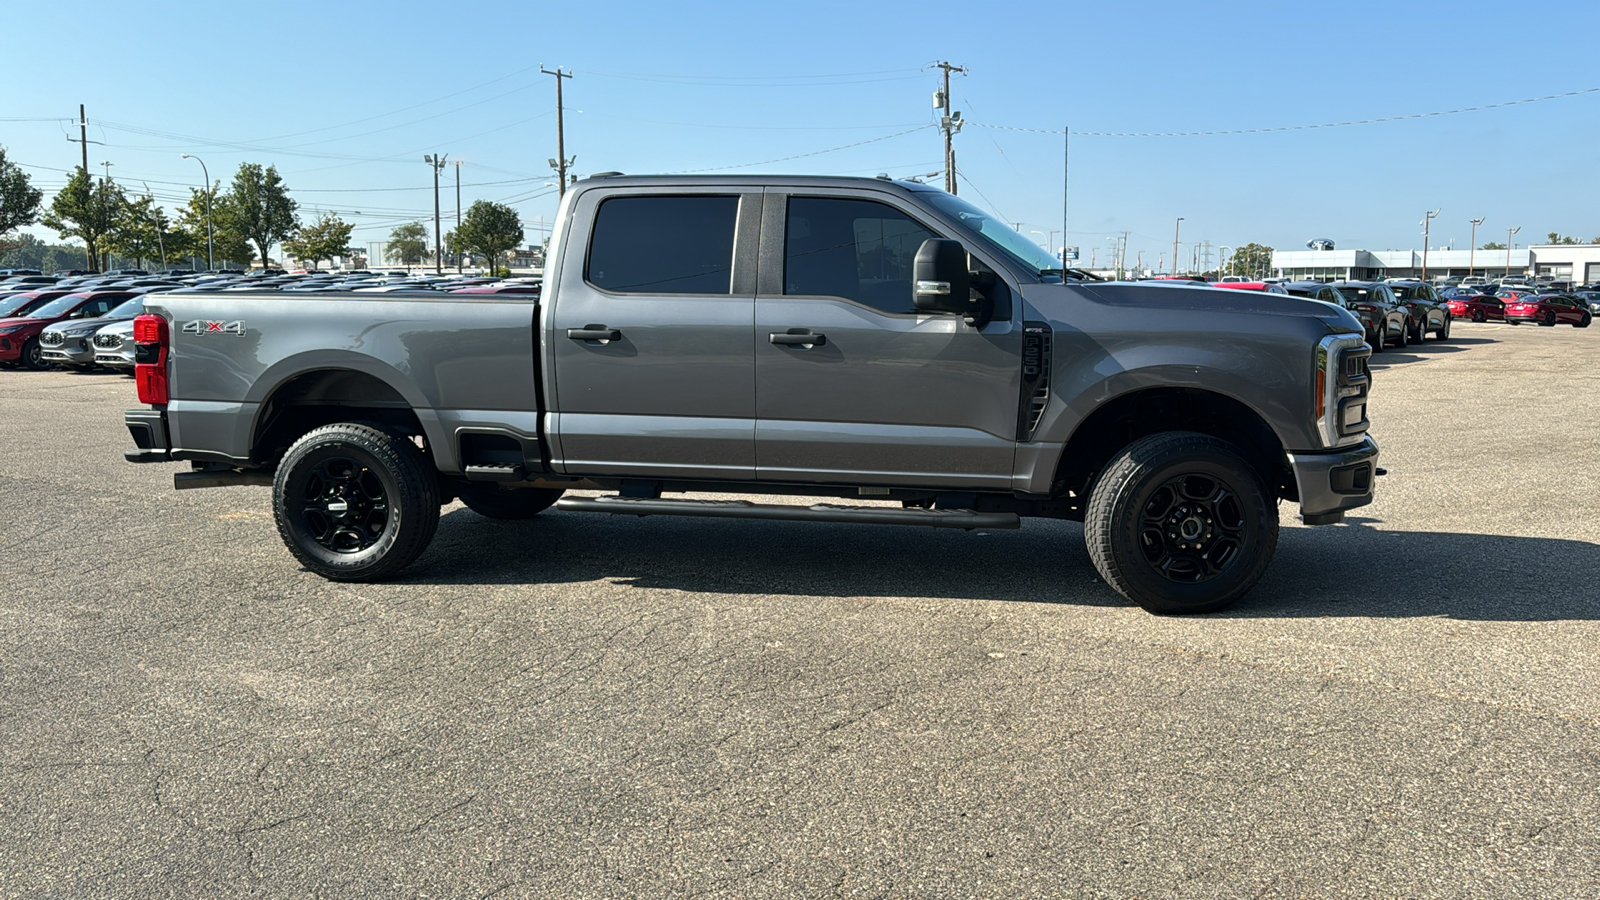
19, 306
126, 310
1355, 295
1000, 235
57, 307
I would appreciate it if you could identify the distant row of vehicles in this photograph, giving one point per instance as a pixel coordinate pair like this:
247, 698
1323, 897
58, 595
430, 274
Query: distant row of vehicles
85, 320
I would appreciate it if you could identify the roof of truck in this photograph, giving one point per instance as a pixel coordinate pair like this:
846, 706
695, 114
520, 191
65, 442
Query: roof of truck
819, 181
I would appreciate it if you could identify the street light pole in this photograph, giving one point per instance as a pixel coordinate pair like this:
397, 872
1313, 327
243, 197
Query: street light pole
436, 162
1220, 251
459, 254
1175, 229
211, 262
1427, 222
1472, 251
1509, 233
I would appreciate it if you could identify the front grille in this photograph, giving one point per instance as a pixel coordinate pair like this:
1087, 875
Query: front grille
52, 339
108, 341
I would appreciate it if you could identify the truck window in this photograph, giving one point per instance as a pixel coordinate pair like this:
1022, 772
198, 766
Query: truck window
860, 250
663, 245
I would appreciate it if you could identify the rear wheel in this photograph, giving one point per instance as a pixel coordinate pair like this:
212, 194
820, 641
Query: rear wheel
1180, 522
1478, 316
489, 499
1549, 320
355, 502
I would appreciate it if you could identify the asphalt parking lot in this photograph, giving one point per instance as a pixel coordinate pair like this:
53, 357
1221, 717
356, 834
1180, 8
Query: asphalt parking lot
1408, 705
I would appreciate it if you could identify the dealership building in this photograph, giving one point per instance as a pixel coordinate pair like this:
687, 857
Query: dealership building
1578, 263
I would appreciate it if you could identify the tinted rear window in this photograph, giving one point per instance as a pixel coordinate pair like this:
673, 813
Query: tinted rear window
664, 245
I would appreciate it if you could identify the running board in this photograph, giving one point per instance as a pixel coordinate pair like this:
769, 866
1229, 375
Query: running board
822, 512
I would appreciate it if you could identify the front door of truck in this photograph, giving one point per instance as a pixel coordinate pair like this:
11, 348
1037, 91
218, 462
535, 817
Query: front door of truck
650, 334
853, 384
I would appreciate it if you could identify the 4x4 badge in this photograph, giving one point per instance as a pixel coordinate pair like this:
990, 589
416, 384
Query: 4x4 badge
205, 326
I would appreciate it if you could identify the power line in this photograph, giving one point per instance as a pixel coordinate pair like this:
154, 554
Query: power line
1373, 121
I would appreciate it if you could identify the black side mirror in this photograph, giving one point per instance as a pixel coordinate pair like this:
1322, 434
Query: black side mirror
939, 278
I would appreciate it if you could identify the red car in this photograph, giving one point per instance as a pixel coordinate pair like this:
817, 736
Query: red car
19, 335
1548, 309
1266, 287
1478, 308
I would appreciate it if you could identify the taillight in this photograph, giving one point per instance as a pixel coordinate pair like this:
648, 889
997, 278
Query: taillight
150, 358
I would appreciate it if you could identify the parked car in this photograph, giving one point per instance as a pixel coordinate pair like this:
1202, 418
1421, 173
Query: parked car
19, 336
1264, 287
1592, 298
69, 342
1549, 310
114, 346
1381, 314
1478, 307
1425, 311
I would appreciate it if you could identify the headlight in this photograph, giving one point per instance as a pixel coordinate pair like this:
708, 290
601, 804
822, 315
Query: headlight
1341, 385
11, 329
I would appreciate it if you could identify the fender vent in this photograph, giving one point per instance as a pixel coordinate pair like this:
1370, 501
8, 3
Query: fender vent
1036, 340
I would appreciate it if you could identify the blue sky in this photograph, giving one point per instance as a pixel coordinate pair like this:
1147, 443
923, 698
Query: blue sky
345, 98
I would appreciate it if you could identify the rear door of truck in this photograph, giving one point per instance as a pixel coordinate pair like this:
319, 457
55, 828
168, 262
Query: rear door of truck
651, 334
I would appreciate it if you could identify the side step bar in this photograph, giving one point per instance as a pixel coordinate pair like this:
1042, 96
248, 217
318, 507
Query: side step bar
822, 512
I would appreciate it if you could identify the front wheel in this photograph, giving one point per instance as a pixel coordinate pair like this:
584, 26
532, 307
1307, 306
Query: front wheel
355, 502
1421, 334
1444, 330
1405, 334
1180, 522
489, 499
32, 356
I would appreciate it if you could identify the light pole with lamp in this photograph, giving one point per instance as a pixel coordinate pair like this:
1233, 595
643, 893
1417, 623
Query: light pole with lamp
1175, 229
1222, 251
436, 162
211, 262
161, 240
1509, 233
1472, 250
1427, 222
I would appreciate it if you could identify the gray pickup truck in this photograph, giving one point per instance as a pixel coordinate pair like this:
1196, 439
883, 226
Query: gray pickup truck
850, 338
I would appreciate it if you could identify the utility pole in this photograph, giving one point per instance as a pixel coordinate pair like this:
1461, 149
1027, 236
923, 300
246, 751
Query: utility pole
436, 162
459, 254
1473, 250
1427, 223
949, 123
1509, 233
83, 141
1175, 229
161, 240
561, 162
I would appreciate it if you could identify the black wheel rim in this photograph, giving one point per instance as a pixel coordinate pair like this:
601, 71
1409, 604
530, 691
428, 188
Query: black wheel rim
35, 356
344, 505
1192, 529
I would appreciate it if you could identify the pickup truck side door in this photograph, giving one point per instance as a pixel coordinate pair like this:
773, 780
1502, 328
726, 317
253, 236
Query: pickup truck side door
649, 333
883, 394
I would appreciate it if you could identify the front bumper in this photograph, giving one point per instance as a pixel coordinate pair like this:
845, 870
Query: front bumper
75, 351
1333, 481
148, 428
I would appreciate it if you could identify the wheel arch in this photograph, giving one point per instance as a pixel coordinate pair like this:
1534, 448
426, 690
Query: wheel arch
1127, 417
322, 396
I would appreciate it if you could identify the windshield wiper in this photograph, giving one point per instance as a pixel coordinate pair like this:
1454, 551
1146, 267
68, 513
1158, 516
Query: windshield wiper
1078, 274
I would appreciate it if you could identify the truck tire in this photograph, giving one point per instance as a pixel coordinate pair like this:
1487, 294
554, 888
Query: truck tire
489, 499
1180, 522
355, 502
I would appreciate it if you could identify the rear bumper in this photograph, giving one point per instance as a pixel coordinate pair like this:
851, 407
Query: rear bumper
148, 428
1334, 481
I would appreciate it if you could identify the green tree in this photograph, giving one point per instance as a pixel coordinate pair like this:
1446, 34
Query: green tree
86, 210
140, 232
327, 237
1251, 261
1492, 246
19, 199
259, 208
1557, 238
488, 229
228, 244
408, 243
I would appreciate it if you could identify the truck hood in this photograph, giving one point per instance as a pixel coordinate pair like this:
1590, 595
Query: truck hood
1155, 295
